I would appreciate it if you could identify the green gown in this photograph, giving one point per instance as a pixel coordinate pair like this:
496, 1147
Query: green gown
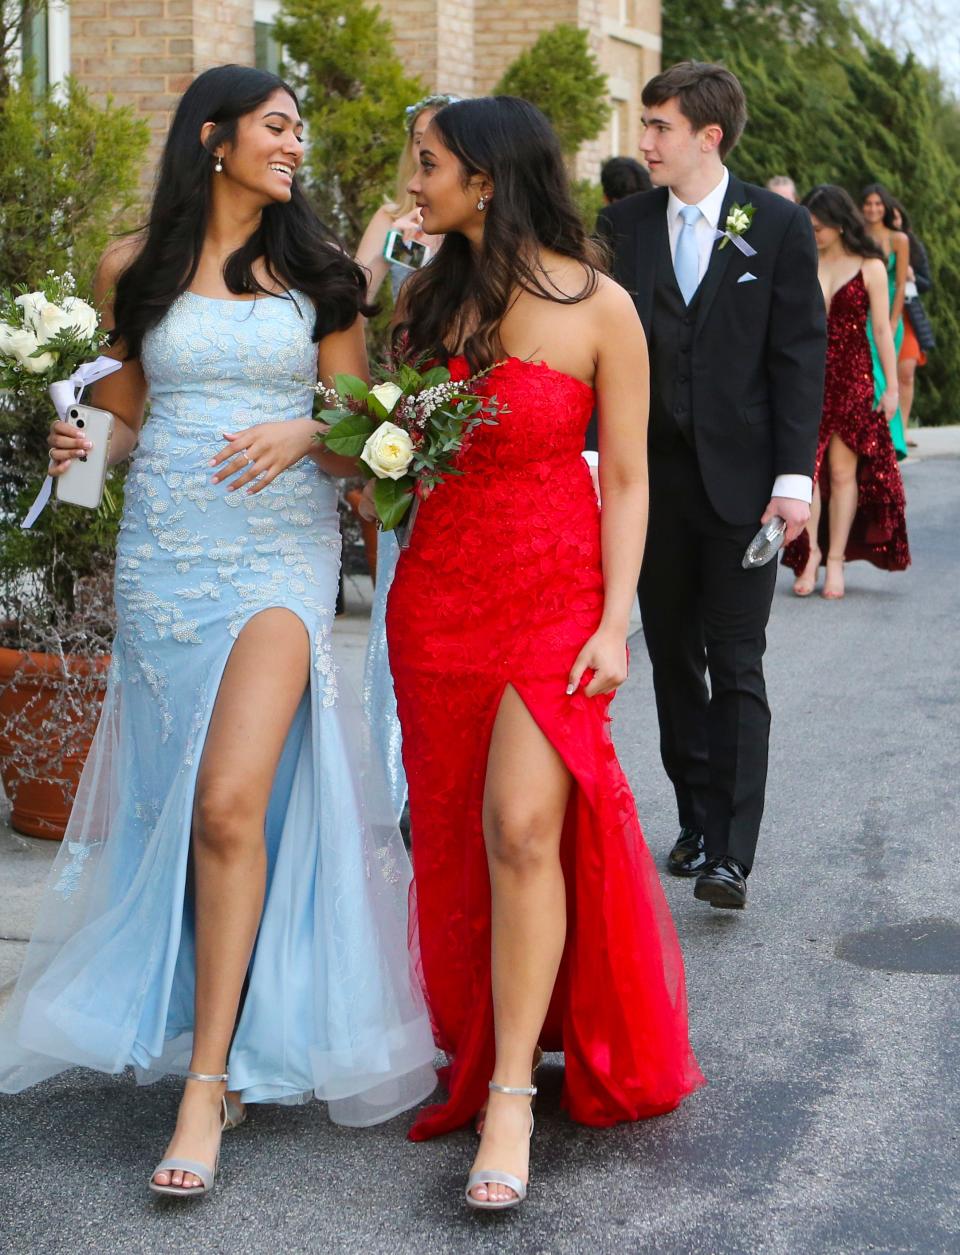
879, 379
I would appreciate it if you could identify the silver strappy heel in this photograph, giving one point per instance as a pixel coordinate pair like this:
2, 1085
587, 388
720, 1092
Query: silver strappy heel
232, 1114
492, 1176
481, 1116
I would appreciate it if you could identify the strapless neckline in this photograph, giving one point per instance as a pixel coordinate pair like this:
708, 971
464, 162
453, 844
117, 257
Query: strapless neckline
539, 365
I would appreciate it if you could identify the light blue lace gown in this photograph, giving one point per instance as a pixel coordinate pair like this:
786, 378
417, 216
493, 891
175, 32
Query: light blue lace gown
379, 701
332, 1008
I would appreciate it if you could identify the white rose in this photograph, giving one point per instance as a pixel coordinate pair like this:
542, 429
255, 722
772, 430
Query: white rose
6, 332
389, 451
49, 320
82, 316
21, 344
388, 394
31, 303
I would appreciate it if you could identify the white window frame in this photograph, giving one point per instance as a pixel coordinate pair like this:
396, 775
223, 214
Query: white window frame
58, 42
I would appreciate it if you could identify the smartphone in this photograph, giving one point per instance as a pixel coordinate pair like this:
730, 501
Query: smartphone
83, 483
409, 253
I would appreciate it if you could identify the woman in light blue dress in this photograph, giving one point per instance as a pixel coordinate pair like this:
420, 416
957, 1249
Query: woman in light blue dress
401, 214
230, 900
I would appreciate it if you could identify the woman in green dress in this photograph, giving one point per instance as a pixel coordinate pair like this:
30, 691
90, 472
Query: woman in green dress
878, 207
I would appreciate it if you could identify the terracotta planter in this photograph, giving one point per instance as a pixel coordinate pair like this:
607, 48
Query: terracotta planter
49, 707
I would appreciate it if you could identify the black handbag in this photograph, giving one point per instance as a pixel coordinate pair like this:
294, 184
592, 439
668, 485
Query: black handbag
920, 323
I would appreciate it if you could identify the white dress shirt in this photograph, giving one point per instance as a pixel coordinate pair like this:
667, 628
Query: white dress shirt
705, 227
799, 487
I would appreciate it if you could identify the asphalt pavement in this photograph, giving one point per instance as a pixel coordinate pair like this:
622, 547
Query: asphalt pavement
825, 1016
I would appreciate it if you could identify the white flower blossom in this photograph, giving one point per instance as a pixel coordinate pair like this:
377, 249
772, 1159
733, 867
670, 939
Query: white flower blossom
388, 394
388, 452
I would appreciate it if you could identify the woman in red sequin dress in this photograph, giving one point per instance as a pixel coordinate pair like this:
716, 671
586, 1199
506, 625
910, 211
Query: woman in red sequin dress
858, 508
538, 912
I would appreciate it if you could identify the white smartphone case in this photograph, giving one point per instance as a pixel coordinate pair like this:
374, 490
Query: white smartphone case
83, 483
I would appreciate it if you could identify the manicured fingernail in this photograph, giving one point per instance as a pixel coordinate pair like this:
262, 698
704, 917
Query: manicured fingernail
212, 462
571, 688
88, 444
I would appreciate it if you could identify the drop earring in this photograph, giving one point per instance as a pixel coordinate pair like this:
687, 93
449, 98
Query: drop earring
218, 167
482, 203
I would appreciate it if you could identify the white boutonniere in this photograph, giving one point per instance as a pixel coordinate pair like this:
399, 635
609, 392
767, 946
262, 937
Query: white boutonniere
739, 218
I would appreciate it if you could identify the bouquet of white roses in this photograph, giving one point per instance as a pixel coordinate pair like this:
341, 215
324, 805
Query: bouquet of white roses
406, 430
45, 335
47, 341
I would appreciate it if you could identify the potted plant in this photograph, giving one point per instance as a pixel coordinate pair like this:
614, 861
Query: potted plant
68, 176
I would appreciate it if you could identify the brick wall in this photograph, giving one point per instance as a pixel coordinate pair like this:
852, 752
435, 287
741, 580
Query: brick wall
456, 50
145, 53
505, 28
222, 32
414, 27
629, 55
434, 39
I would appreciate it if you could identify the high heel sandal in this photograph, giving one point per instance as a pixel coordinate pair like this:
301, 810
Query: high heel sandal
493, 1176
482, 1113
232, 1114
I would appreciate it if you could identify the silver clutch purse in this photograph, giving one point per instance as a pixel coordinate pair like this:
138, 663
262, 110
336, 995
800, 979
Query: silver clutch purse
766, 544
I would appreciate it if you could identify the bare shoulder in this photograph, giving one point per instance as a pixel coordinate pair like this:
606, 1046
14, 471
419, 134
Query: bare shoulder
612, 305
612, 296
874, 268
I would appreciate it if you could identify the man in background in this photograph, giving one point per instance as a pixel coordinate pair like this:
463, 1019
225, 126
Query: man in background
784, 186
622, 176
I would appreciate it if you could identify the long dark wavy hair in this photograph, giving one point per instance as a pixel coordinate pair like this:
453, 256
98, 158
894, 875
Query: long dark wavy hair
835, 208
298, 251
877, 189
510, 142
918, 254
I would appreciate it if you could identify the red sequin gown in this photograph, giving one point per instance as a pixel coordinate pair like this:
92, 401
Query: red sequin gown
879, 532
502, 585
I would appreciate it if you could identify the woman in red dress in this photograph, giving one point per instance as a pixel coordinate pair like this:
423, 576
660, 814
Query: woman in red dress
856, 478
538, 913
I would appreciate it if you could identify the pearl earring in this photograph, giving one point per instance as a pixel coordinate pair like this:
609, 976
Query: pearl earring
219, 165
482, 203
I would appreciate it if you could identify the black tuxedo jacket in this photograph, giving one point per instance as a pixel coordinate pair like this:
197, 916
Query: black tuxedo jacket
759, 347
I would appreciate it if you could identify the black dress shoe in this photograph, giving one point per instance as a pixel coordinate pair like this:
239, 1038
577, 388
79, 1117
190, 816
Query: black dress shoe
723, 883
687, 858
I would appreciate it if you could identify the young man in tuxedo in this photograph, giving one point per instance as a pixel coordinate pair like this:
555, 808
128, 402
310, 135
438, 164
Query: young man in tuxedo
737, 340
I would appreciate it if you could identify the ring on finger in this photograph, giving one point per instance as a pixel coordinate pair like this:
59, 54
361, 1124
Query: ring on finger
246, 455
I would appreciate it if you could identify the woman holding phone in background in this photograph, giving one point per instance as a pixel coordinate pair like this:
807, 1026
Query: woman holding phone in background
397, 220
401, 214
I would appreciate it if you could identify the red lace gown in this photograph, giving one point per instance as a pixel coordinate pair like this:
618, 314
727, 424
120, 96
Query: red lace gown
502, 585
879, 532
